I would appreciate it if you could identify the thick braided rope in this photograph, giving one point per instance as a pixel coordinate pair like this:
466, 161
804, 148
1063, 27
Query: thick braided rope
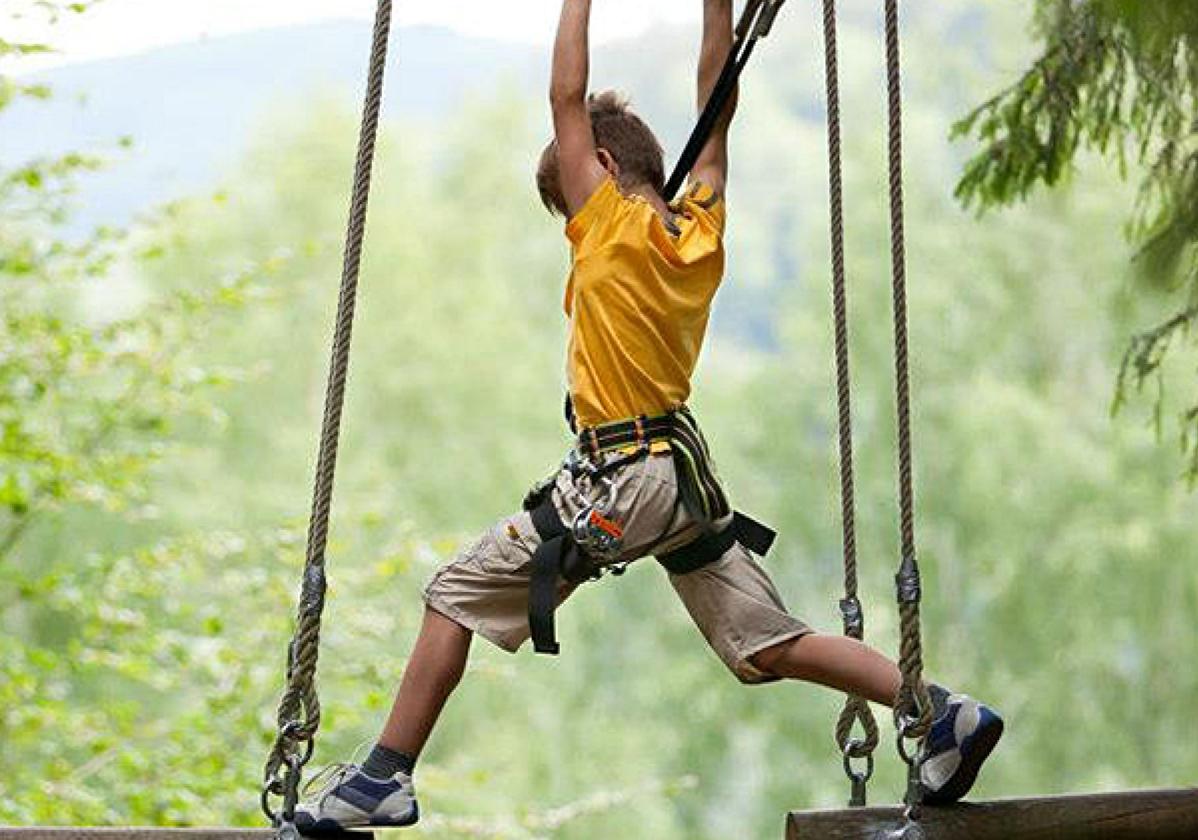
855, 708
911, 647
299, 708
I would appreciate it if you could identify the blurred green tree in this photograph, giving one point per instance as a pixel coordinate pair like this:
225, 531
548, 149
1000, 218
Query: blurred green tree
1119, 78
95, 372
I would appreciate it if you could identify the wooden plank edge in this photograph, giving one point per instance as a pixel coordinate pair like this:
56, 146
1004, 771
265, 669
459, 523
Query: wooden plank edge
1170, 814
152, 833
131, 833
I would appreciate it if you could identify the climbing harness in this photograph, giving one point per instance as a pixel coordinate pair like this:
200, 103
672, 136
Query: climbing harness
299, 708
755, 23
592, 543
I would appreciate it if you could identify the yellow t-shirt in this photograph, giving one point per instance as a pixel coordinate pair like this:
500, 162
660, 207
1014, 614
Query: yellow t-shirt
638, 301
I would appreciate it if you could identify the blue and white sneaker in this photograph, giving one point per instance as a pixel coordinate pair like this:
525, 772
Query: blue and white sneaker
961, 739
350, 799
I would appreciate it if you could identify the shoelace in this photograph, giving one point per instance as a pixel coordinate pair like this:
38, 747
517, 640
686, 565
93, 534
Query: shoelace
327, 779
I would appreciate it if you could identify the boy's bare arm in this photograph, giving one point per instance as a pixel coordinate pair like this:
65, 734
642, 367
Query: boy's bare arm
578, 162
712, 165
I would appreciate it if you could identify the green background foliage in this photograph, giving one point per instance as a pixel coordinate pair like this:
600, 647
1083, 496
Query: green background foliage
1119, 79
161, 384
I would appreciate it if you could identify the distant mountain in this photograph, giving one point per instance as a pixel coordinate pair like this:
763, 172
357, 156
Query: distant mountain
191, 108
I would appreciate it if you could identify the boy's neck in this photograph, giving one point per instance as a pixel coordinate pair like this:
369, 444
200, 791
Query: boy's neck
655, 201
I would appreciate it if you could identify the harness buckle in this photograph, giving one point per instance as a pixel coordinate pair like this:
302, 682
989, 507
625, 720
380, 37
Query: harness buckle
593, 440
757, 19
766, 22
642, 437
596, 534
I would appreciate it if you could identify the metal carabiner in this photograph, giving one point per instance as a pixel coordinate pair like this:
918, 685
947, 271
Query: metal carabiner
757, 19
748, 18
858, 779
766, 22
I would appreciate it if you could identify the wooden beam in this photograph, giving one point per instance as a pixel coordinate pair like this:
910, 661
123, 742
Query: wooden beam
149, 833
1133, 815
79, 833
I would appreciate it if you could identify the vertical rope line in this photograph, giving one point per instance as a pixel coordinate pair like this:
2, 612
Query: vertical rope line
911, 648
855, 708
840, 307
299, 707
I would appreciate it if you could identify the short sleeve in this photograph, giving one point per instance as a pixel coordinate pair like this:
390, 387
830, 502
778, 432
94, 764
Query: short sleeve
603, 204
705, 205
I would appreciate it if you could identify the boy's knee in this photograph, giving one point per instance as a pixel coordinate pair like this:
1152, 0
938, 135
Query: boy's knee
769, 660
779, 660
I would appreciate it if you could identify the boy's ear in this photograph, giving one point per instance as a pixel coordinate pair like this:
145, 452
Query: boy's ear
608, 162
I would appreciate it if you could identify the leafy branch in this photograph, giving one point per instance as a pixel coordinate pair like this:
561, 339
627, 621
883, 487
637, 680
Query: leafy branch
1143, 362
1119, 79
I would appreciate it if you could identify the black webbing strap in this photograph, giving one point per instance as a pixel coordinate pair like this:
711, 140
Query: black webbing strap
710, 547
558, 557
547, 563
755, 23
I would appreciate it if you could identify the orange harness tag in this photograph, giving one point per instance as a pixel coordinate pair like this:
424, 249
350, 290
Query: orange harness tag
607, 526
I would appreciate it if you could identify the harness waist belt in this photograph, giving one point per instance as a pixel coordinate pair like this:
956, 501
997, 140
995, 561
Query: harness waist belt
639, 432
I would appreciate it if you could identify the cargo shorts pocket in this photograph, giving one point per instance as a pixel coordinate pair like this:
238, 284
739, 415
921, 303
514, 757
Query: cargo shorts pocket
512, 542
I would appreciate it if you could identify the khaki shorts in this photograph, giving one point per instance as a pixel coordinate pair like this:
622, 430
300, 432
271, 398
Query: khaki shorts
732, 600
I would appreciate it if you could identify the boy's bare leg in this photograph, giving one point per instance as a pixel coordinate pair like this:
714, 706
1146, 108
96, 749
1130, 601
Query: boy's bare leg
834, 661
434, 670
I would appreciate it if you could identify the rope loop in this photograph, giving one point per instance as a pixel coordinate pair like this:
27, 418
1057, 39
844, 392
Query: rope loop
856, 712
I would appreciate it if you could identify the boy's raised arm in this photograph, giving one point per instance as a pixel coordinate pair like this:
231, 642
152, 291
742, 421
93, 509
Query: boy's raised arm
579, 168
712, 165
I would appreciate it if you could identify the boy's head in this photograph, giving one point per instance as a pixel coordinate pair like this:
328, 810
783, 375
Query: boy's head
626, 147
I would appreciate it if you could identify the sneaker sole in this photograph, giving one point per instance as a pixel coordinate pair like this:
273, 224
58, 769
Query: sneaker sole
326, 829
982, 744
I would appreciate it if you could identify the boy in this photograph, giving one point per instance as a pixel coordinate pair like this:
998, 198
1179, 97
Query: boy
639, 481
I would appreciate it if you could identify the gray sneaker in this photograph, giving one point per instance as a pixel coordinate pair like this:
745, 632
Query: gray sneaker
962, 738
350, 799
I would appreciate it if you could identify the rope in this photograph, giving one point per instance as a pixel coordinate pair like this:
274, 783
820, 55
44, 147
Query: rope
856, 710
299, 707
913, 708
